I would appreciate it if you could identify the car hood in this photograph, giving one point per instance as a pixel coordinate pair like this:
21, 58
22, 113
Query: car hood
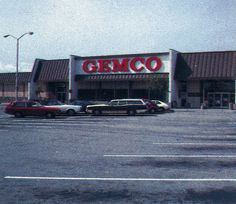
98, 105
66, 107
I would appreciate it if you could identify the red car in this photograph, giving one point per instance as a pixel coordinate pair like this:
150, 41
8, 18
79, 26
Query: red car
151, 106
30, 108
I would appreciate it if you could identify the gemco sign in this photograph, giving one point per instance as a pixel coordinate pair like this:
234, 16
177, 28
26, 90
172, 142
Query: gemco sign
121, 65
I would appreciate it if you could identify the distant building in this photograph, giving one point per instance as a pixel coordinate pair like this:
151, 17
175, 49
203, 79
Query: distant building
7, 85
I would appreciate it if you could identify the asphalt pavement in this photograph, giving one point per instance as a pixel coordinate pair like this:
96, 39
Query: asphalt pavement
187, 156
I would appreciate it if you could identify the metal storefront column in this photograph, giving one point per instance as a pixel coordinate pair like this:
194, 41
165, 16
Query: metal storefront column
99, 90
235, 91
130, 90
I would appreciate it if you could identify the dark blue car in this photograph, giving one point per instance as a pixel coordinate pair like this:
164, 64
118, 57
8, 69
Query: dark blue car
82, 103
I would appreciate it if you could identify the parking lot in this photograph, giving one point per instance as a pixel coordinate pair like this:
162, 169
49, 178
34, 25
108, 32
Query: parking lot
188, 156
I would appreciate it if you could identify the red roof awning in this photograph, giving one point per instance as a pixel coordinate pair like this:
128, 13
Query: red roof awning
206, 66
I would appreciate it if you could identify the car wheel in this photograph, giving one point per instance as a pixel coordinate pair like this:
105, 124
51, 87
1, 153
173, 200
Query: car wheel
161, 109
50, 115
70, 112
152, 110
97, 112
131, 112
18, 115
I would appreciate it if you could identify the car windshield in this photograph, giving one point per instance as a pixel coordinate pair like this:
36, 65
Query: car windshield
36, 104
113, 103
60, 103
50, 103
80, 102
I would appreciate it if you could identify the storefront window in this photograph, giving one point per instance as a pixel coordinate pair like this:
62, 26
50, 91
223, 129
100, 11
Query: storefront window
107, 94
158, 89
140, 93
154, 89
219, 94
121, 93
87, 94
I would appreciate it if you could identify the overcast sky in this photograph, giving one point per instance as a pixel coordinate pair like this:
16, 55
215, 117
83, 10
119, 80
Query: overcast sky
110, 27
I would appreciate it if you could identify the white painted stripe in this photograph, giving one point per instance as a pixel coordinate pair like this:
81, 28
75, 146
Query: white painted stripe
170, 156
43, 124
120, 179
200, 144
211, 136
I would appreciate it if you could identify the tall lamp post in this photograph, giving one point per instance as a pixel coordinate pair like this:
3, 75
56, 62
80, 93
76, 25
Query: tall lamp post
17, 57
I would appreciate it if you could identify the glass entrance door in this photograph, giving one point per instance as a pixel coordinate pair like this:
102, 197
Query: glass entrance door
225, 99
60, 92
220, 100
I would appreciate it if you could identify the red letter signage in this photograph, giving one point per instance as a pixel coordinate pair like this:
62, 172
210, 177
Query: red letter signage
134, 62
120, 66
104, 66
89, 66
155, 60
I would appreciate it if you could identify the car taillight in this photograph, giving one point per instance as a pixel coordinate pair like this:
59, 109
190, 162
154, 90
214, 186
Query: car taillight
9, 105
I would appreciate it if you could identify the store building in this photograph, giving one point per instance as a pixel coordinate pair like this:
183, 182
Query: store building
181, 79
123, 76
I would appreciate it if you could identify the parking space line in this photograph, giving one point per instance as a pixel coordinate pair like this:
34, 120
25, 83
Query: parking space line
202, 137
211, 136
123, 179
168, 156
195, 144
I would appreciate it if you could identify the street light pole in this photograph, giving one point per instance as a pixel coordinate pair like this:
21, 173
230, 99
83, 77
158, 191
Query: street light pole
17, 59
17, 68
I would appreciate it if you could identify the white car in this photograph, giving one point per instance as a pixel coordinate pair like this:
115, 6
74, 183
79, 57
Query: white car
65, 109
161, 105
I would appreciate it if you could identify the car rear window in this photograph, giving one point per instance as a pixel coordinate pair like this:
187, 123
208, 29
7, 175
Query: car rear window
19, 104
121, 103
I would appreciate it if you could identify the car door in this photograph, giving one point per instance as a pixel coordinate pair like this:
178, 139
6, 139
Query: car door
19, 107
123, 106
33, 108
113, 107
30, 109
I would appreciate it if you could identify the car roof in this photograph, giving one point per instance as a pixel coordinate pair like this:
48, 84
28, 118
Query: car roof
25, 101
128, 99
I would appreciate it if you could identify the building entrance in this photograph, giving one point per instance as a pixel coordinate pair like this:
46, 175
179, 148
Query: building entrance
58, 91
220, 99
